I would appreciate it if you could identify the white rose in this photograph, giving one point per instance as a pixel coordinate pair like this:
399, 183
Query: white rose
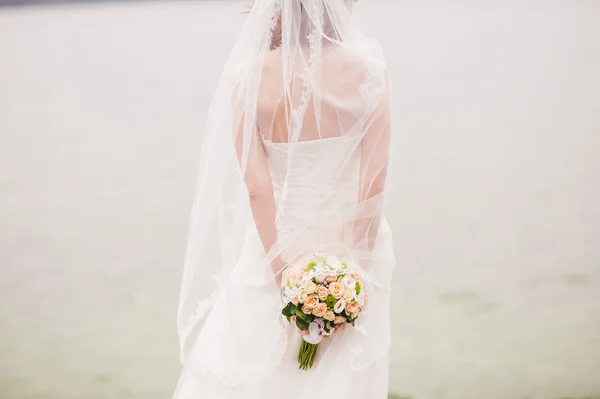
349, 282
303, 297
339, 306
320, 278
334, 262
310, 287
349, 294
361, 299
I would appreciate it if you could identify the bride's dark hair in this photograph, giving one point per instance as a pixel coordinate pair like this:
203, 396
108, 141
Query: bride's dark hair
328, 27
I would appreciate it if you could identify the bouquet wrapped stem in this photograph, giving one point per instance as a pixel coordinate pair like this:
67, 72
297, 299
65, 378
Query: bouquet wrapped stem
320, 297
306, 356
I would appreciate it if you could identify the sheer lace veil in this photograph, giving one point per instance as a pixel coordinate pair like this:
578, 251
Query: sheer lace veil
301, 70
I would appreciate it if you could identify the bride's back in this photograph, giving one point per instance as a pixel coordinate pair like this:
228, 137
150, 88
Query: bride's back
335, 105
315, 115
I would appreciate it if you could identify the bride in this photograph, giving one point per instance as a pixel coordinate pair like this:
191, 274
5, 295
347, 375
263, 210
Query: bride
294, 162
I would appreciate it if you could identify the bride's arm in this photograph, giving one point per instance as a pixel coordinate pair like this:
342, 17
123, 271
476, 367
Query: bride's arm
260, 190
375, 153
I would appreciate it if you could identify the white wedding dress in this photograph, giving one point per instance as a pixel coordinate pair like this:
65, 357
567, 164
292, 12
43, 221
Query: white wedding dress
307, 98
261, 362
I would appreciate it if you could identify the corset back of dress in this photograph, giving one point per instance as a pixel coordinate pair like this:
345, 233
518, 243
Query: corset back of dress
316, 190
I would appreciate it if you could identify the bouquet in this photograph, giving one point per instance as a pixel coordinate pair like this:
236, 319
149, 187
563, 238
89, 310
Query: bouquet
320, 297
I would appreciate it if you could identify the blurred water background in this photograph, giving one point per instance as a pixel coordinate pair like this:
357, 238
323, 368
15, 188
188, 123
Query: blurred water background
495, 209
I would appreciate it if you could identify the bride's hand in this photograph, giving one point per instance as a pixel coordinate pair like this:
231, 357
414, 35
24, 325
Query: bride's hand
277, 267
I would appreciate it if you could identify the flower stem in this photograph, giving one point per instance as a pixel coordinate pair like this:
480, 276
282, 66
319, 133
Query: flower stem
306, 356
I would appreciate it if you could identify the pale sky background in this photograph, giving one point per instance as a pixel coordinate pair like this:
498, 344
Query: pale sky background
495, 207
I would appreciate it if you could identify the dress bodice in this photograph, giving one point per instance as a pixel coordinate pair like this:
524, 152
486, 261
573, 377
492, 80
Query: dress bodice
316, 188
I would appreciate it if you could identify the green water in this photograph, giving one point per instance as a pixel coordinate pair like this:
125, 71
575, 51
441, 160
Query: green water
494, 208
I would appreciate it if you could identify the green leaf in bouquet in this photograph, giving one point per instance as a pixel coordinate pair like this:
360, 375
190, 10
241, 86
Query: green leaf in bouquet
330, 301
301, 315
327, 326
302, 324
348, 318
299, 312
289, 310
357, 287
311, 266
341, 276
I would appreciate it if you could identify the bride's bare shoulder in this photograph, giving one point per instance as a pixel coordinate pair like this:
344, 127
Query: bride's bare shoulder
272, 67
272, 60
272, 73
360, 60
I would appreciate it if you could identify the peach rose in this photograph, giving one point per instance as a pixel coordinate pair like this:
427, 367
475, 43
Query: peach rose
320, 310
352, 307
295, 300
336, 289
339, 320
306, 310
355, 315
356, 276
322, 292
329, 315
330, 279
311, 302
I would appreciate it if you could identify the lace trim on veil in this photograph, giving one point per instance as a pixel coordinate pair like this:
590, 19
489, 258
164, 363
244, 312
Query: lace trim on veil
203, 306
307, 76
373, 87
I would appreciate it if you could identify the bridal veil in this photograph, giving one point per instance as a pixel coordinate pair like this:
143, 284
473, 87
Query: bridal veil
301, 70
